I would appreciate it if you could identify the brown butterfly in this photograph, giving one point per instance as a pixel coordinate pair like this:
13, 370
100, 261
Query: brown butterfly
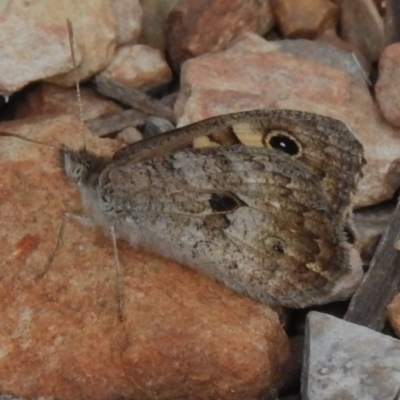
264, 210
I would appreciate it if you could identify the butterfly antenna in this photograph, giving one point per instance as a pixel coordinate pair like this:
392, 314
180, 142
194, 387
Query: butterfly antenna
78, 88
8, 134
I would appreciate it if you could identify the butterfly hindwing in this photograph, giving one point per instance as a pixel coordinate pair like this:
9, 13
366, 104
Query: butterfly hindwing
249, 217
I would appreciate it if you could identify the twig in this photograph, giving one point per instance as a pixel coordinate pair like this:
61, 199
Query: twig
381, 283
115, 123
134, 98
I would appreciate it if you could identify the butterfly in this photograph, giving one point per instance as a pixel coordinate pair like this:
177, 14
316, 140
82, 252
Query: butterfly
263, 209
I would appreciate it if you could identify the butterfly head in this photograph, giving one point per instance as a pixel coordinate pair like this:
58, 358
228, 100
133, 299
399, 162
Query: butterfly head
82, 167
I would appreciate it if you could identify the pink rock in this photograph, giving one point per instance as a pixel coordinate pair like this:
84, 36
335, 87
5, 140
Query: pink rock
139, 66
130, 135
30, 51
94, 28
387, 95
331, 37
155, 13
305, 18
391, 11
51, 99
189, 34
128, 15
361, 24
183, 335
255, 73
393, 314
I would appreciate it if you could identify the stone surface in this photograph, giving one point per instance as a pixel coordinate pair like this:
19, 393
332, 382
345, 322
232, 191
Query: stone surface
303, 75
155, 13
361, 24
391, 14
331, 37
381, 6
51, 99
189, 34
138, 66
31, 51
291, 383
370, 223
387, 95
94, 28
183, 335
11, 397
156, 125
393, 314
348, 362
128, 14
305, 18
129, 135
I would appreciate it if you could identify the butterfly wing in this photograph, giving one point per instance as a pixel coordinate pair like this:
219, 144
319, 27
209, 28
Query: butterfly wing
249, 217
324, 146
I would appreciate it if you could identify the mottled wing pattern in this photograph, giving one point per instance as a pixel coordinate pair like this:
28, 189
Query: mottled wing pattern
324, 146
250, 217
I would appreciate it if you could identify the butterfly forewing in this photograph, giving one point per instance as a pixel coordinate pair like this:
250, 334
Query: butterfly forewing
324, 146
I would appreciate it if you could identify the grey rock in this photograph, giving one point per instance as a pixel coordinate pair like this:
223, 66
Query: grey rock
156, 125
348, 362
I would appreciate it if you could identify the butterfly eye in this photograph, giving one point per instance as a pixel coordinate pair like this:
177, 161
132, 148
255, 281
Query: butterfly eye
78, 171
282, 143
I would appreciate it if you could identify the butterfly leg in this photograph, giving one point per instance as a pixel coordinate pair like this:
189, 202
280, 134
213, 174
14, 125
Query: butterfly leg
119, 287
88, 222
84, 220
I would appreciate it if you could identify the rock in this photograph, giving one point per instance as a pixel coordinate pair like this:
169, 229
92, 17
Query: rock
188, 30
170, 99
95, 33
128, 14
305, 18
391, 21
155, 13
292, 369
140, 67
156, 125
31, 51
94, 28
362, 25
370, 223
387, 96
331, 37
11, 397
381, 6
348, 361
393, 314
51, 99
302, 75
129, 135
183, 334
